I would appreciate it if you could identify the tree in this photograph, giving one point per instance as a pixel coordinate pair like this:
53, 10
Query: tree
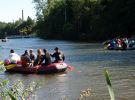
92, 19
26, 27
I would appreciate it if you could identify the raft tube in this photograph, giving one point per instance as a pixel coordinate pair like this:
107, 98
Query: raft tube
39, 69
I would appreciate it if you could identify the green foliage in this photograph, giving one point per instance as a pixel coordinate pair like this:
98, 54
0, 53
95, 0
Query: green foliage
18, 27
17, 91
92, 19
26, 28
68, 30
11, 96
109, 85
97, 19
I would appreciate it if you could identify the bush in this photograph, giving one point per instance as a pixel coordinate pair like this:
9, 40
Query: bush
68, 30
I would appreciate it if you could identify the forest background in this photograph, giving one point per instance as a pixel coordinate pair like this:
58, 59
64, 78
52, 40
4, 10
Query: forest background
83, 20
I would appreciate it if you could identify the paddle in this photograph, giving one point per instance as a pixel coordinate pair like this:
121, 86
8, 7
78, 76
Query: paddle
2, 69
1, 62
10, 66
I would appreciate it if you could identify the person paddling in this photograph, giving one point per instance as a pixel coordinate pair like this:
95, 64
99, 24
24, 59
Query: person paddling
58, 55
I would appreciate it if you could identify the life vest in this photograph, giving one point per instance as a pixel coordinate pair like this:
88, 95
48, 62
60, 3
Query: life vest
24, 61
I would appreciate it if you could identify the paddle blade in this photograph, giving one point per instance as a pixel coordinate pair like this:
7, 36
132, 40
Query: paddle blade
10, 66
1, 62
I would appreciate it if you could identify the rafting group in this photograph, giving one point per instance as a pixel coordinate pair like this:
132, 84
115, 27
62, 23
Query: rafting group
30, 59
120, 44
29, 63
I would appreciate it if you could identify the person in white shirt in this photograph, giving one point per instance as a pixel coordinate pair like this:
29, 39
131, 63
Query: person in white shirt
13, 57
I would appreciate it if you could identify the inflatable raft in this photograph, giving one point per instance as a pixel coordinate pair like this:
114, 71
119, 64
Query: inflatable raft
39, 69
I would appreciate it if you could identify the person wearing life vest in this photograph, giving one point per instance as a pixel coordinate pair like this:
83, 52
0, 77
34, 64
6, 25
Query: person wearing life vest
47, 57
40, 58
58, 55
25, 59
32, 56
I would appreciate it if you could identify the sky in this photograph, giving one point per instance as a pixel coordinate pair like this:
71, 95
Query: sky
11, 10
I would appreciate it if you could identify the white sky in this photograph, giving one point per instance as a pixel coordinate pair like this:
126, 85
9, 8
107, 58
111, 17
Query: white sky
11, 10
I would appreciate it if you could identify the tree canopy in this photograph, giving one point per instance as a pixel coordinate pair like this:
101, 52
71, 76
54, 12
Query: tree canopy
18, 27
85, 19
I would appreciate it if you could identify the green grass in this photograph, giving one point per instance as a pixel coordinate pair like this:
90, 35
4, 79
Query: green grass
17, 91
109, 85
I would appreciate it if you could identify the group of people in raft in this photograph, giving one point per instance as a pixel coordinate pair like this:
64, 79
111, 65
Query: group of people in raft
120, 43
30, 59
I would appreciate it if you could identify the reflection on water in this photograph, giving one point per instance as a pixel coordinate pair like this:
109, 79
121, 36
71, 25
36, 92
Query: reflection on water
89, 60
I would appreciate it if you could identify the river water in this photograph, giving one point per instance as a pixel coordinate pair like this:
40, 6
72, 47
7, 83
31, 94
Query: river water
89, 61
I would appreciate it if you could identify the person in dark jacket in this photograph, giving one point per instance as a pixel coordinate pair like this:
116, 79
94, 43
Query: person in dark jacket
32, 56
47, 57
58, 55
40, 58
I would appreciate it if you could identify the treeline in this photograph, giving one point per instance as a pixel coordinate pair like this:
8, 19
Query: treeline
85, 19
19, 27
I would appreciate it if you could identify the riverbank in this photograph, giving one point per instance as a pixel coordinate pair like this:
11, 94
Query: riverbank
21, 36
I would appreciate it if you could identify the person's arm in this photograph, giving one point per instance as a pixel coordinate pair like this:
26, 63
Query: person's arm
41, 60
33, 57
29, 60
63, 57
52, 55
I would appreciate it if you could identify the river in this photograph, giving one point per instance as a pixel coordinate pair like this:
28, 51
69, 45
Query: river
89, 61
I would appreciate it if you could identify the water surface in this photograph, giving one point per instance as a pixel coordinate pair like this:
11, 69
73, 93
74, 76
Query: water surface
89, 61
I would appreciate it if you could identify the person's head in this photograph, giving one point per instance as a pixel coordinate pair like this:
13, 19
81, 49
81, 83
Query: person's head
26, 52
30, 51
39, 51
45, 50
56, 49
12, 51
